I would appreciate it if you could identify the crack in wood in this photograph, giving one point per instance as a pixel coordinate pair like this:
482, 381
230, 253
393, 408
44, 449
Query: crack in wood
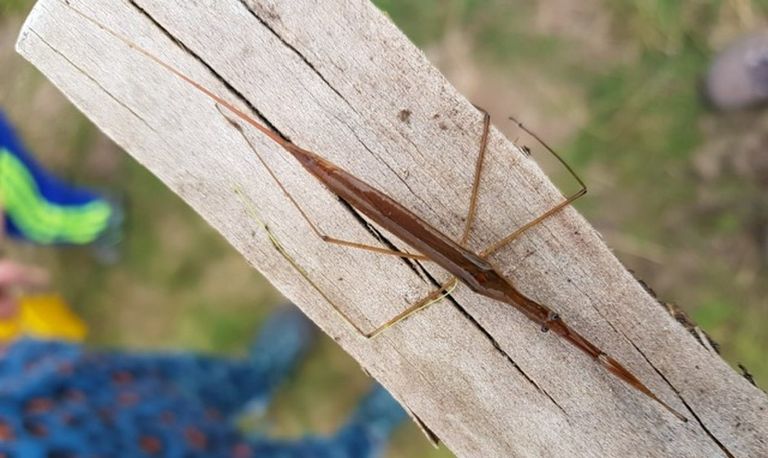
747, 375
370, 229
298, 54
685, 403
93, 80
381, 160
506, 355
679, 315
412, 264
254, 111
428, 433
322, 77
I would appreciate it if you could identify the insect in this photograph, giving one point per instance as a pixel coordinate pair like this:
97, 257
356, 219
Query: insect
470, 268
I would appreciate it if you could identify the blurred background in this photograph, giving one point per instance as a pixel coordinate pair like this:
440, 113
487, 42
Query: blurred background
679, 191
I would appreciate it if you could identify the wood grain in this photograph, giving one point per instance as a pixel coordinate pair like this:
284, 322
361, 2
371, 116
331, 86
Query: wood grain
337, 77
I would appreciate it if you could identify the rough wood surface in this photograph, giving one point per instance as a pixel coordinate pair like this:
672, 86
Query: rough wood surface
337, 77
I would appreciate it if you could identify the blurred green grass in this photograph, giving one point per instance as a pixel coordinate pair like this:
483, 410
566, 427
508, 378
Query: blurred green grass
644, 129
8, 7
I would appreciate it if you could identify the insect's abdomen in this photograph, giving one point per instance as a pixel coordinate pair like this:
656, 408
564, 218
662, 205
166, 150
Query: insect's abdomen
397, 219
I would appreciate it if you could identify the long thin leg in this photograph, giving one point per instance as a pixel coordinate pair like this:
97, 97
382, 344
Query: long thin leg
479, 163
478, 173
324, 237
435, 296
492, 248
446, 288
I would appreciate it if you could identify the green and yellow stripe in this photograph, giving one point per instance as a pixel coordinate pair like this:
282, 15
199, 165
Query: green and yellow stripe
40, 220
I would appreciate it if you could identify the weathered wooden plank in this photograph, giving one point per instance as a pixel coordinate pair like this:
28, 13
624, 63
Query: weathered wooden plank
338, 78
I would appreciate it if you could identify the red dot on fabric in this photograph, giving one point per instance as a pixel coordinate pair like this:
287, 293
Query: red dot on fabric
150, 445
128, 399
6, 432
36, 429
168, 417
196, 438
122, 377
241, 450
38, 406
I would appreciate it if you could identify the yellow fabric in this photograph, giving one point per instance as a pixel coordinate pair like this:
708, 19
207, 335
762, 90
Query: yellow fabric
45, 316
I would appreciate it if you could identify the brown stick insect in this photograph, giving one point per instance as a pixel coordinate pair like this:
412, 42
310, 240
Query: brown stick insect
470, 268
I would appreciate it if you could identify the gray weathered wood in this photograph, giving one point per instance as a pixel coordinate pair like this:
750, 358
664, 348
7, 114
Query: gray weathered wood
338, 78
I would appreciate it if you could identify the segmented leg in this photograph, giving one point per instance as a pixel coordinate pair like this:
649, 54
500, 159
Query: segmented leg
446, 288
324, 237
442, 292
471, 212
492, 248
435, 296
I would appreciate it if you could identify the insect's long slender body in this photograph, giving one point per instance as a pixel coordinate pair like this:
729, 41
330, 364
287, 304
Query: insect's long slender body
472, 269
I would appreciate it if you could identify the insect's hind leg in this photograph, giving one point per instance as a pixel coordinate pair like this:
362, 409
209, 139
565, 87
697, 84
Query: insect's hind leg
492, 248
316, 230
435, 296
